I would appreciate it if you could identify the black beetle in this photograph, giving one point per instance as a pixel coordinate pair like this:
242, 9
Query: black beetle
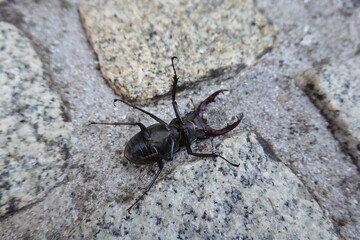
160, 141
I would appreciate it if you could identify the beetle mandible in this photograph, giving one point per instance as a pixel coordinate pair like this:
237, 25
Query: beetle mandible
160, 141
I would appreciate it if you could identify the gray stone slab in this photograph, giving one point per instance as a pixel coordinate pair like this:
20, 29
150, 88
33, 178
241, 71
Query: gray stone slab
206, 199
313, 32
134, 40
34, 139
335, 89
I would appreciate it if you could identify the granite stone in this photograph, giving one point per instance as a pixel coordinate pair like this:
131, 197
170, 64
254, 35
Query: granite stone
34, 137
312, 33
210, 199
335, 89
135, 40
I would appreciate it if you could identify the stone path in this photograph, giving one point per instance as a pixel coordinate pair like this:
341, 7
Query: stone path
34, 133
291, 68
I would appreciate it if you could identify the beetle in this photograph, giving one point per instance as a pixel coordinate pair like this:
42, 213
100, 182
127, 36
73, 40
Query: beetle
160, 141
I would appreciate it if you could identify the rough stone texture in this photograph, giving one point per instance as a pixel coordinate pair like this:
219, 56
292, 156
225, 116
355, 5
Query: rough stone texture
336, 91
134, 41
34, 138
207, 199
313, 33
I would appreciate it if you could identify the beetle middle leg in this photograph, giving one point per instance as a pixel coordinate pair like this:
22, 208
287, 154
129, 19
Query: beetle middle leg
162, 122
142, 127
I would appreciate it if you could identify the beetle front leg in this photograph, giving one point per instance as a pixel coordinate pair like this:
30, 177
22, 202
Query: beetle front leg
174, 103
190, 151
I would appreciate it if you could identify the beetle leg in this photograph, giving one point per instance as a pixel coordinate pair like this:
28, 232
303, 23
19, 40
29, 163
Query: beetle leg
161, 166
174, 103
175, 78
162, 122
190, 151
142, 127
172, 147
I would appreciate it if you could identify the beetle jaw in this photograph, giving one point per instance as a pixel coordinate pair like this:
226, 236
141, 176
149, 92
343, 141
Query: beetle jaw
209, 131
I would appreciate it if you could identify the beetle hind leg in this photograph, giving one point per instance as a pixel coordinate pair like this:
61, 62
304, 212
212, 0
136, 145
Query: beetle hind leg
147, 189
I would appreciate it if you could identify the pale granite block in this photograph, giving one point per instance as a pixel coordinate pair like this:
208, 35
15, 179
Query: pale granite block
134, 41
207, 199
34, 137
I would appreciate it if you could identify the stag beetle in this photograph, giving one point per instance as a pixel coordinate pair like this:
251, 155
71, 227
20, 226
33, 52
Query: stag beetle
160, 141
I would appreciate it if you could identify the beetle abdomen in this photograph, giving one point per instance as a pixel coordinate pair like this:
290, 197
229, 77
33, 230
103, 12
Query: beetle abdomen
136, 150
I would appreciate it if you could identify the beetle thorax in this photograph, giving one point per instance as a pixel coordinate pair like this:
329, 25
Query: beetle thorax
194, 125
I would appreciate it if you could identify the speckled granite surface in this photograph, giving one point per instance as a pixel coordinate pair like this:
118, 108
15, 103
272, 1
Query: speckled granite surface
336, 91
262, 199
34, 139
313, 33
134, 39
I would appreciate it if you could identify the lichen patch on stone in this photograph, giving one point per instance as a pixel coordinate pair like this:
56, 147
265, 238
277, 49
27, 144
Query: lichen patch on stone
335, 89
